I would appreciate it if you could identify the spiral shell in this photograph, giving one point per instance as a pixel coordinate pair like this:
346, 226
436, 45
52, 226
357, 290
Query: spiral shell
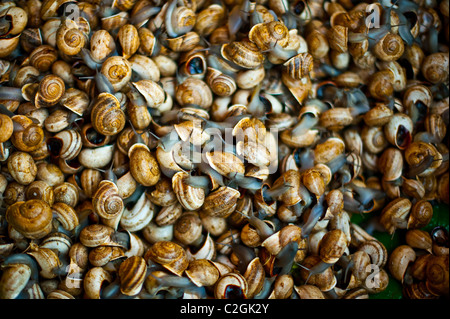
152, 92
265, 35
435, 67
6, 128
338, 38
220, 84
143, 165
51, 90
132, 274
138, 217
244, 54
32, 218
191, 198
299, 66
69, 39
194, 91
170, 255
43, 57
118, 71
389, 48
30, 135
22, 167
106, 116
129, 40
66, 215
106, 200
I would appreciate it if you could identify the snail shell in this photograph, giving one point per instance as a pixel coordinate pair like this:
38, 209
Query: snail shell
51, 90
391, 164
22, 167
394, 215
191, 198
148, 42
389, 48
265, 35
32, 218
221, 203
332, 246
75, 100
399, 260
29, 136
132, 274
338, 38
152, 92
129, 40
69, 39
202, 272
106, 116
6, 128
209, 19
231, 285
66, 215
220, 84
170, 255
13, 280
65, 144
102, 44
66, 193
143, 165
188, 228
435, 67
106, 200
40, 190
96, 235
138, 217
398, 130
299, 66
43, 57
94, 279
183, 43
117, 70
194, 91
47, 259
244, 54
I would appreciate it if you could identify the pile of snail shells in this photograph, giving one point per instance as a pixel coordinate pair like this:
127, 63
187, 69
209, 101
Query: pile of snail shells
219, 149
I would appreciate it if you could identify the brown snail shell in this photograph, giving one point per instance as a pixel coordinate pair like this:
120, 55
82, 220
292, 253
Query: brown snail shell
51, 90
32, 218
299, 66
435, 67
244, 54
43, 57
106, 116
143, 165
129, 40
29, 136
40, 190
220, 84
194, 91
22, 167
191, 198
118, 71
106, 200
101, 45
6, 128
69, 39
170, 255
231, 284
221, 203
132, 275
389, 48
265, 35
394, 215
